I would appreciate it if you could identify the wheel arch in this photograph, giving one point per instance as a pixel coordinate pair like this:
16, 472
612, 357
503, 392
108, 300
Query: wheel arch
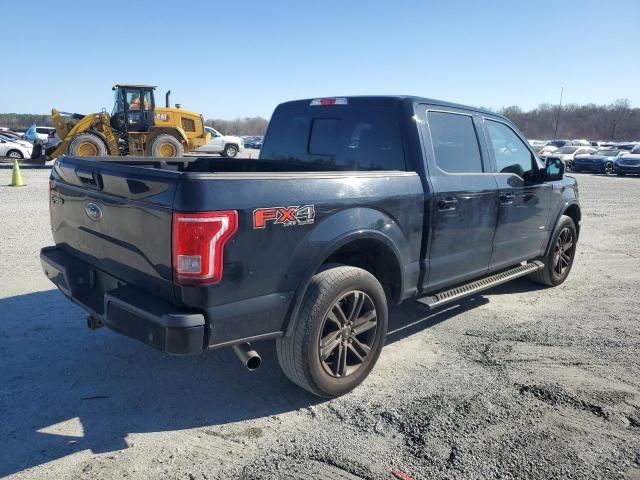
178, 133
22, 155
361, 248
572, 210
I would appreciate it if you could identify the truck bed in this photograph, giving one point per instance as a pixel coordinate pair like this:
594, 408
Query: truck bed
131, 242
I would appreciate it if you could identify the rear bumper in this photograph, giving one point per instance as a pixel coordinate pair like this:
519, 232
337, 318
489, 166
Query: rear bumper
123, 308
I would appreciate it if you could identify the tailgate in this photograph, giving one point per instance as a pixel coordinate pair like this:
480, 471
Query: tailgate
116, 217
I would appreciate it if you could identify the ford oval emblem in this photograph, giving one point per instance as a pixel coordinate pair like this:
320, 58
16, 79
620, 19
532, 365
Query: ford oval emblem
93, 211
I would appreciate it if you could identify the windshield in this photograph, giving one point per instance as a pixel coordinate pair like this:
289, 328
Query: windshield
558, 143
636, 149
607, 153
567, 150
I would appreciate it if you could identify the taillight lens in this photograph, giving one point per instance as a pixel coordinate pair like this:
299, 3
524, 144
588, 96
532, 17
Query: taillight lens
198, 245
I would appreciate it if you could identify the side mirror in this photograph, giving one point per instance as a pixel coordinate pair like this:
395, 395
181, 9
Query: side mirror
554, 169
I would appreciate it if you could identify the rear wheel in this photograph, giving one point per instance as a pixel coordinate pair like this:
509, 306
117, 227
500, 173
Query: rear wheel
230, 151
608, 168
166, 146
559, 260
339, 332
15, 154
87, 145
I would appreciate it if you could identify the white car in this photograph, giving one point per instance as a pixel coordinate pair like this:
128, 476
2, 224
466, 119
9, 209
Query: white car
44, 132
14, 150
537, 144
225, 145
26, 144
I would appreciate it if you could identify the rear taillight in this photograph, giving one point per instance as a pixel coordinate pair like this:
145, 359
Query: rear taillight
198, 245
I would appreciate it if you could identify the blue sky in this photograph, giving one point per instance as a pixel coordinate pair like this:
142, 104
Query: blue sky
242, 58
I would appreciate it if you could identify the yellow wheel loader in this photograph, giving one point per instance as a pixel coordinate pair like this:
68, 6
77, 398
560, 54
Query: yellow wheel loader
136, 126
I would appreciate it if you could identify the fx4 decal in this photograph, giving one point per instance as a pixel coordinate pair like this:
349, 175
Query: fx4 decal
285, 216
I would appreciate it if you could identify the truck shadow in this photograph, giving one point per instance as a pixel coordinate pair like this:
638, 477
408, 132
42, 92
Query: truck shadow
65, 389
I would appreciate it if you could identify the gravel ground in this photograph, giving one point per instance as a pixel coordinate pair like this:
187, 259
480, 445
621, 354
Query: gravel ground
521, 382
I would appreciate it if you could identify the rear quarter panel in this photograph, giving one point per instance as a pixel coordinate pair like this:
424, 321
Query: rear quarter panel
278, 260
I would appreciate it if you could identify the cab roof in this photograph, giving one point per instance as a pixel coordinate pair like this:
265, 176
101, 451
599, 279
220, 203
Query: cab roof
133, 85
410, 98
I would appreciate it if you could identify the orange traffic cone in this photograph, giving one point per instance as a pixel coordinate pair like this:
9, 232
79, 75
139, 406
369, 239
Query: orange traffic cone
16, 177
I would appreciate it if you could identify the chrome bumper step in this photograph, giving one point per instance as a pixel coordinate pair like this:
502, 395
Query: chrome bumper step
476, 286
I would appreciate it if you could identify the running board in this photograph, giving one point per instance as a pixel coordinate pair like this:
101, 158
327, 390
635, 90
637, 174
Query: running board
476, 286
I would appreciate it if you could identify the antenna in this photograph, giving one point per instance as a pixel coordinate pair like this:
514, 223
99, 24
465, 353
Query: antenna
555, 133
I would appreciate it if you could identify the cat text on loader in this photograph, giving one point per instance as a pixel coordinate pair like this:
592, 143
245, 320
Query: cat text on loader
136, 126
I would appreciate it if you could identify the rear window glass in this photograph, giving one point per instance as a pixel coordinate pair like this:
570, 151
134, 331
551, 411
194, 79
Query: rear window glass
363, 135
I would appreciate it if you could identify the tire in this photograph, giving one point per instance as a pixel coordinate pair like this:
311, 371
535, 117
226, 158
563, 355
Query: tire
554, 273
87, 145
15, 154
230, 151
330, 292
608, 168
166, 146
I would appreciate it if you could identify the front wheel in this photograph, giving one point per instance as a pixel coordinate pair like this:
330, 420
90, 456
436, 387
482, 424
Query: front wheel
559, 259
166, 146
15, 154
608, 168
87, 145
230, 151
339, 332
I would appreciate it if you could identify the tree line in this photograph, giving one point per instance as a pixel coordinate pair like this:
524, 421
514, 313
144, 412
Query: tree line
240, 126
616, 121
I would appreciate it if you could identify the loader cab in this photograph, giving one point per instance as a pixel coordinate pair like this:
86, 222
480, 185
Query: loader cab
133, 107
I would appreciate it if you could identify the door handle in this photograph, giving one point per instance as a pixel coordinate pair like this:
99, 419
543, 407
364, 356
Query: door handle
507, 198
448, 203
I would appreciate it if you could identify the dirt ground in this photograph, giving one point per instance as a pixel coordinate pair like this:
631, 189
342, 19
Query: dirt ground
519, 382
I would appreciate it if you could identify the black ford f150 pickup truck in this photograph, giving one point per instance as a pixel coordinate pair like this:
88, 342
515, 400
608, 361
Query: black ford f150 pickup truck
354, 204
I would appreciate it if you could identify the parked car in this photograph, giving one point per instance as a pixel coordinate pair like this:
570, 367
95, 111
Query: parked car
567, 154
12, 134
626, 146
225, 145
14, 150
629, 163
560, 143
581, 142
537, 144
341, 215
253, 142
600, 161
44, 132
9, 138
546, 150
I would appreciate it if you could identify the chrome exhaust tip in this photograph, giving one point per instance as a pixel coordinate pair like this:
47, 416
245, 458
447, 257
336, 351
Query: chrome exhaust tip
249, 358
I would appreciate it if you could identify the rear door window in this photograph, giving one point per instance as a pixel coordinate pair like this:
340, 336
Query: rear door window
364, 134
455, 143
